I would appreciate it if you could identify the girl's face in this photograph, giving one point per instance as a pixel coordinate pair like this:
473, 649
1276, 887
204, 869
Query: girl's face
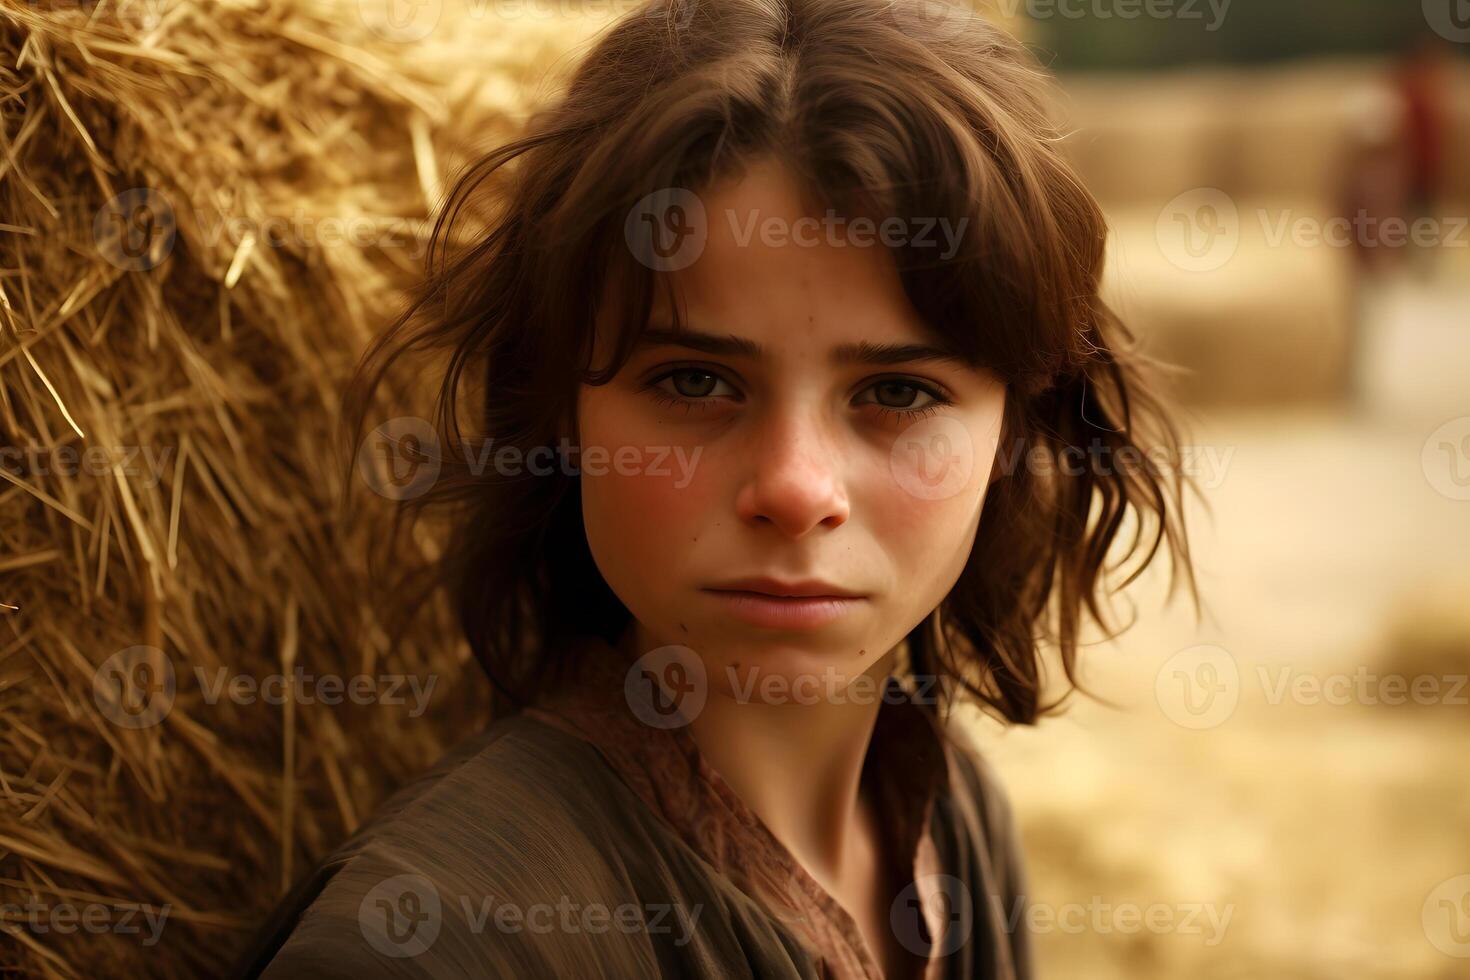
806, 429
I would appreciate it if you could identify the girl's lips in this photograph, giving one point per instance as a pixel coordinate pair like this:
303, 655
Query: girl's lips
785, 612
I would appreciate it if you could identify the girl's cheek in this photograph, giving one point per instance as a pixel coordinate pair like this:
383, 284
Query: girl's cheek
935, 472
935, 459
658, 488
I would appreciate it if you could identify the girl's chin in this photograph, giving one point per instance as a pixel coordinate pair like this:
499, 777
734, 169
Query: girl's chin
782, 673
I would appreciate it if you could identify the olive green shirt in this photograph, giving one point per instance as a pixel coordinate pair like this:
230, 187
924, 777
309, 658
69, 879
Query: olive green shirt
572, 840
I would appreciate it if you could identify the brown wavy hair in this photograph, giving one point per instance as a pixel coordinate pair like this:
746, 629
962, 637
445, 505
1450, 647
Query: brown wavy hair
879, 107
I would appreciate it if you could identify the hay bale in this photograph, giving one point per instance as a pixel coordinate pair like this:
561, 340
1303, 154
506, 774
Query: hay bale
209, 207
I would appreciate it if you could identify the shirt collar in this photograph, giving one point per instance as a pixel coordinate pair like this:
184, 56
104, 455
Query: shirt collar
908, 762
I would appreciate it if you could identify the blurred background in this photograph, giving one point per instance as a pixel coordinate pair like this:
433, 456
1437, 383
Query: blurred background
1271, 781
1277, 788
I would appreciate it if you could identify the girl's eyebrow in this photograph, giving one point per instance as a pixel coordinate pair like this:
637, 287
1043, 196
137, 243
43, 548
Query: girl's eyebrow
862, 352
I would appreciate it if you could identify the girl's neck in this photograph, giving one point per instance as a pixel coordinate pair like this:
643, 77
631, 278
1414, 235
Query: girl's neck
798, 767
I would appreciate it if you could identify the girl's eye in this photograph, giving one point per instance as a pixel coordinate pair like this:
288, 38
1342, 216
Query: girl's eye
694, 388
689, 388
897, 399
694, 383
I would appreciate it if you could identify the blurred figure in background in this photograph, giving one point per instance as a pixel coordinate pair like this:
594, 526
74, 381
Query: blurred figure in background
1376, 182
1421, 83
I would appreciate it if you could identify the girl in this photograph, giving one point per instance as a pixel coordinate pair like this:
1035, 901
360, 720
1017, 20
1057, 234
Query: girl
808, 426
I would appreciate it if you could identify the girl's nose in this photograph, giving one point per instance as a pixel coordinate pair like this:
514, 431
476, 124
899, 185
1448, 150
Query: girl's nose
795, 477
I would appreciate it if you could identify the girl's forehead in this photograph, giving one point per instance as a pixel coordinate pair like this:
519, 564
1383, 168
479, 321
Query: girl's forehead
778, 320
784, 292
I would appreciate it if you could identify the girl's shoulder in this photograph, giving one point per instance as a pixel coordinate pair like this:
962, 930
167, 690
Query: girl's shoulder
509, 823
975, 782
978, 832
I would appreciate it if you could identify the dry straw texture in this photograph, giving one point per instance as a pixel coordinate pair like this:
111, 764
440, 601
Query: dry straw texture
209, 208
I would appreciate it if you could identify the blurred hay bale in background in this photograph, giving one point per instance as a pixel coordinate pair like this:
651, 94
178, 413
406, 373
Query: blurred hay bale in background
209, 208
1427, 641
1268, 317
